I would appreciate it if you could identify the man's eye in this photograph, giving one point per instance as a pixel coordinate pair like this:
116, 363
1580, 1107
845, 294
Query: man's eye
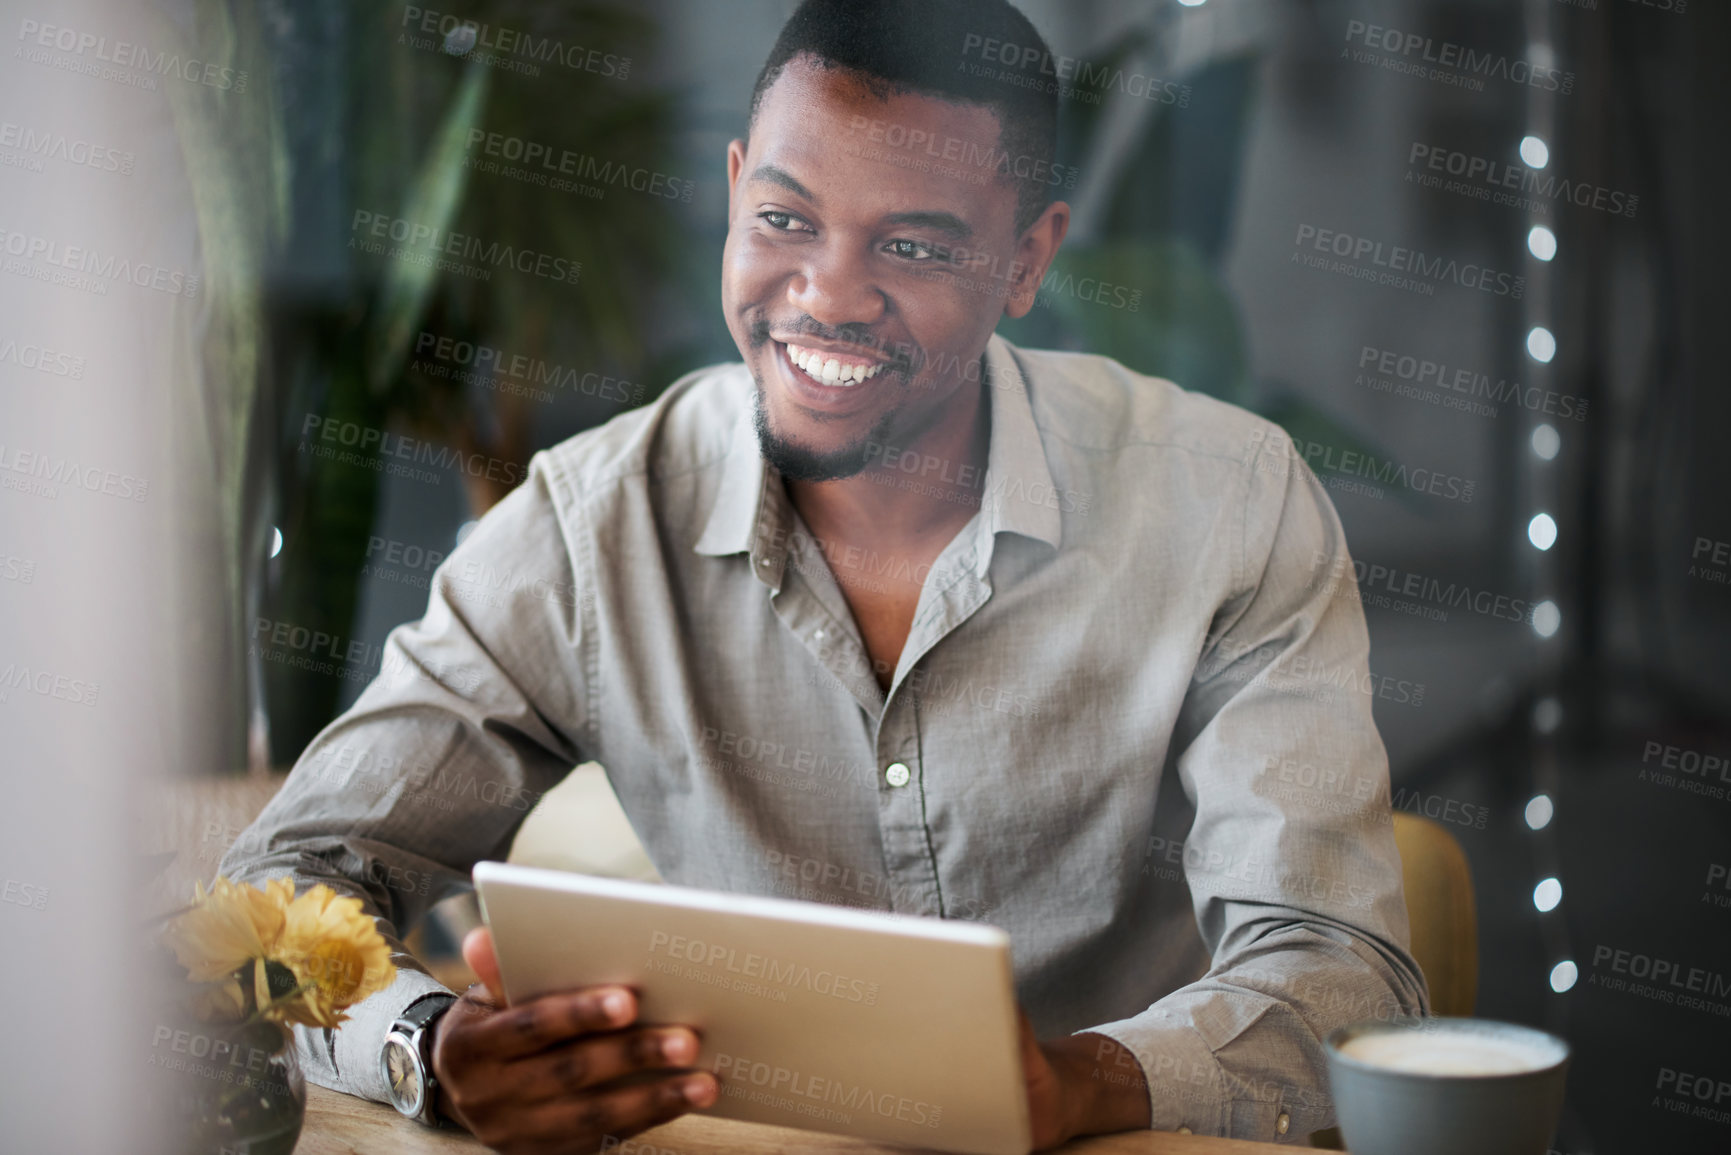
916, 250
781, 222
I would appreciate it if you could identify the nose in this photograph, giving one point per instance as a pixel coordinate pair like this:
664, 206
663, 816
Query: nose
836, 288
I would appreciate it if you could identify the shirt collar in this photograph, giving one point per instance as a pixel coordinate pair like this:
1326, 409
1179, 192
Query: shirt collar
1018, 493
1019, 496
745, 478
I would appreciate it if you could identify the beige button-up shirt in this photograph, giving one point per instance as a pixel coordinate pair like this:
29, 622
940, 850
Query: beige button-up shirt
1129, 725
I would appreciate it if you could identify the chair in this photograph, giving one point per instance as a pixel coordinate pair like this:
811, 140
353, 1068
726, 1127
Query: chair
580, 826
1439, 905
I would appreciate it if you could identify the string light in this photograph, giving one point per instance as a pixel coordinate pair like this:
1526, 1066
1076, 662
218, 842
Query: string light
1563, 975
1541, 345
1542, 533
1546, 442
1542, 242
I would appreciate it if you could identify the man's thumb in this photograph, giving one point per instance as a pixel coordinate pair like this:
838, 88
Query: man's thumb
478, 953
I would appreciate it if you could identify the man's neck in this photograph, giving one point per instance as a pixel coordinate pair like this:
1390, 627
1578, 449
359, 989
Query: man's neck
894, 501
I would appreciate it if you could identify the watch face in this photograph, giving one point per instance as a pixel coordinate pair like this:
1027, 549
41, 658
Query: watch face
403, 1075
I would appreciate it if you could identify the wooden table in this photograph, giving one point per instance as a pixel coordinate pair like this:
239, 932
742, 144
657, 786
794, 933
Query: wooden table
340, 1124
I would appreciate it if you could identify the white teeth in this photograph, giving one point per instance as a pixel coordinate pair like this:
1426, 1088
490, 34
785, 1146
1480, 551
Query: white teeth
830, 370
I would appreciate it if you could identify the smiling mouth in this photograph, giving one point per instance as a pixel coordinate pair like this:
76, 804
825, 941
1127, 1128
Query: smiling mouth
832, 369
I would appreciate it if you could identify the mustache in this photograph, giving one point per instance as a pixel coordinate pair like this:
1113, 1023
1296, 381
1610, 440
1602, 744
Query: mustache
900, 354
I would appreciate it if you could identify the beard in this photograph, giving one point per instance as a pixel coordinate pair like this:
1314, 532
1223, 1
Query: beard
798, 462
794, 460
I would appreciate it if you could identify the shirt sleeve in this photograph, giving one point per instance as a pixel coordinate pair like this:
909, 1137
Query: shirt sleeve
478, 709
1291, 860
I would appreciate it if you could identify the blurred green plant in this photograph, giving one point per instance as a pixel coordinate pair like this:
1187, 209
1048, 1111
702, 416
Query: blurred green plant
412, 109
235, 164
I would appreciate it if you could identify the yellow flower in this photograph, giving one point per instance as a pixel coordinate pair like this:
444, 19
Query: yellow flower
228, 926
326, 944
336, 953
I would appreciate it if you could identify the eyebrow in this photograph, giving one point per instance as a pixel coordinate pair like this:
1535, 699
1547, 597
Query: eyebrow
948, 223
774, 174
943, 222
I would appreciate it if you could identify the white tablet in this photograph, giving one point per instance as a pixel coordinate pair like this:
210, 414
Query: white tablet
828, 1018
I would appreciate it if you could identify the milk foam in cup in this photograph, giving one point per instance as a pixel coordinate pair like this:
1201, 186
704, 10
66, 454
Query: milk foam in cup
1445, 1053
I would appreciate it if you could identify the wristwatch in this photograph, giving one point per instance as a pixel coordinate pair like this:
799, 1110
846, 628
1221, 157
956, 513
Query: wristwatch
407, 1062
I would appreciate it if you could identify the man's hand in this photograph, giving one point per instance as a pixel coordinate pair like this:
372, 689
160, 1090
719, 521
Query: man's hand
563, 1072
1080, 1085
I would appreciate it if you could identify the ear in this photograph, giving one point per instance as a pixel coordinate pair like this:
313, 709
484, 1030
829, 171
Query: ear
735, 166
1034, 253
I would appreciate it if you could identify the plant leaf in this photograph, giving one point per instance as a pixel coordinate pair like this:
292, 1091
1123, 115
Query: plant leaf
433, 200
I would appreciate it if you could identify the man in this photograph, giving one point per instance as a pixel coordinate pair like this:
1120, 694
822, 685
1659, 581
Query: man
897, 614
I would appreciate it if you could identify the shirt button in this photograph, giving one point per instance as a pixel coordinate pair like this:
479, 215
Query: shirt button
896, 774
1282, 1124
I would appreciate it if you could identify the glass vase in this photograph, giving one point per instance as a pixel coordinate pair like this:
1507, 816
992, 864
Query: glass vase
232, 1089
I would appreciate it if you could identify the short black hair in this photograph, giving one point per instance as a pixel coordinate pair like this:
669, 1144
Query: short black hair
934, 48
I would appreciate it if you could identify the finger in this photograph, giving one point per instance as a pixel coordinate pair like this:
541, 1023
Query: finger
454, 1031
1029, 1045
592, 1062
553, 1019
478, 953
471, 1006
596, 1115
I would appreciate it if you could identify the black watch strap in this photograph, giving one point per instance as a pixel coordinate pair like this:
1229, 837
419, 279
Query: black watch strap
427, 1008
417, 1016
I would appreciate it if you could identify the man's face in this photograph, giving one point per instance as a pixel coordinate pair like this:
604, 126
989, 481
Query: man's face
861, 260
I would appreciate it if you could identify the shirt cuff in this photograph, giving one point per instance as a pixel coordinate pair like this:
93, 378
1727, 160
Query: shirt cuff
360, 1041
1185, 1082
1188, 1090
